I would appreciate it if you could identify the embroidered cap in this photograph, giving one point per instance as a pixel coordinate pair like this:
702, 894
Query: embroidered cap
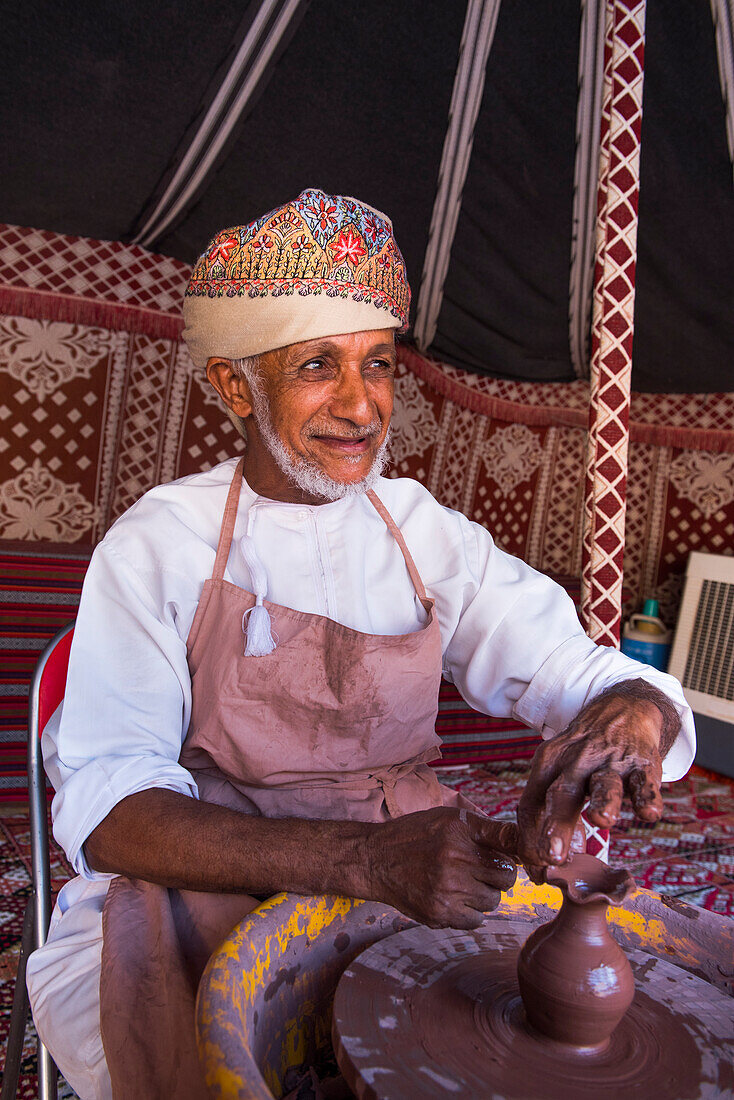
321, 265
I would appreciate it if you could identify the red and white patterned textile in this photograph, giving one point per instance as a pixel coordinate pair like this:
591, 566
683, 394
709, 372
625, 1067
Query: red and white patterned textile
92, 413
53, 276
597, 839
613, 321
97, 407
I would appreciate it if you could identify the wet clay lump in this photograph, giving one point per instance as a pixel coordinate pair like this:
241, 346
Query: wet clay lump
575, 980
431, 1013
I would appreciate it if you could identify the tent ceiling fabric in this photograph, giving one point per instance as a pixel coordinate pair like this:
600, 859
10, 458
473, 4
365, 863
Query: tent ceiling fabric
685, 247
506, 293
268, 25
99, 101
476, 42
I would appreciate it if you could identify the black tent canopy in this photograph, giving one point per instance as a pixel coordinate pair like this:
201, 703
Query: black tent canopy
103, 103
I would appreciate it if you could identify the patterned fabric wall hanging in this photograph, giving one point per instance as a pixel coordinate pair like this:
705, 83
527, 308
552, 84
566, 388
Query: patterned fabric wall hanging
99, 401
57, 277
92, 415
511, 456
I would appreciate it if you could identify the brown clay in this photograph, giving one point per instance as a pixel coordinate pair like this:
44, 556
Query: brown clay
430, 1014
575, 981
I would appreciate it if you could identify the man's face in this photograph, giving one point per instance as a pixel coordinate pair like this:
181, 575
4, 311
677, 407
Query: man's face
324, 412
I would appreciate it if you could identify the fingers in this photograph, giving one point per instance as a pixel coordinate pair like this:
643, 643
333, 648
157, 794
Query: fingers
539, 842
578, 840
643, 785
536, 873
546, 764
611, 748
484, 899
563, 803
491, 901
471, 913
609, 751
448, 874
495, 870
606, 790
500, 836
577, 846
496, 848
464, 918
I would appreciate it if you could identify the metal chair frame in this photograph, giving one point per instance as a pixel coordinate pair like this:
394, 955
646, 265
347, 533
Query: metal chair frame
46, 692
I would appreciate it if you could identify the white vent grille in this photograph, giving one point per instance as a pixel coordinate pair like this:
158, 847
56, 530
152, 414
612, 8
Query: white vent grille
703, 649
709, 665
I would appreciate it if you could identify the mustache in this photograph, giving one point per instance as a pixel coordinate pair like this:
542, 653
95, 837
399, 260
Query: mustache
346, 430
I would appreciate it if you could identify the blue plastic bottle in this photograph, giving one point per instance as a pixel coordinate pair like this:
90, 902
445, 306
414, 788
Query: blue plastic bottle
646, 638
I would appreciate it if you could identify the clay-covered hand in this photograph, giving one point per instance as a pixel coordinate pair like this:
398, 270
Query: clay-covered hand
614, 747
442, 867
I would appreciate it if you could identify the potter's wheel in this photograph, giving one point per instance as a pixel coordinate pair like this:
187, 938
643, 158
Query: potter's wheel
437, 1013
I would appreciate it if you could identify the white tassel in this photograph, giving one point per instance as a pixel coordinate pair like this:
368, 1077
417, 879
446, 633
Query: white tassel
256, 621
258, 632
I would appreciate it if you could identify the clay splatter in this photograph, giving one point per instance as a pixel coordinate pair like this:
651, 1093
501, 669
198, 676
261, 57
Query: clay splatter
285, 976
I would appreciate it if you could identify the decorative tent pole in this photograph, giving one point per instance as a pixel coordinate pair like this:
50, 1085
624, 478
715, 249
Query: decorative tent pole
613, 321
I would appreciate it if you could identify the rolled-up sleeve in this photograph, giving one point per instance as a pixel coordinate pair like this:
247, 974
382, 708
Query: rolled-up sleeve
517, 650
127, 703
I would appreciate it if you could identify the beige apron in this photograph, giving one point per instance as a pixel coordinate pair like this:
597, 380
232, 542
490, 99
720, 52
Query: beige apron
332, 724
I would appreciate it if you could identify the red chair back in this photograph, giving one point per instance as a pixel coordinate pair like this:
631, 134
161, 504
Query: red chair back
53, 680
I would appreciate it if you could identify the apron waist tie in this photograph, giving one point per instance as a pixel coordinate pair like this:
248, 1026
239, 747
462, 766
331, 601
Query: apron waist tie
388, 779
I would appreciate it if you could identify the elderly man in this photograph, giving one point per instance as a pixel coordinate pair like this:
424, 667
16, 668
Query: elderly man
253, 681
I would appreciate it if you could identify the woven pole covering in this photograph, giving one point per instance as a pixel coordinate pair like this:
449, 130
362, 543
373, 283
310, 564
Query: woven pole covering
612, 321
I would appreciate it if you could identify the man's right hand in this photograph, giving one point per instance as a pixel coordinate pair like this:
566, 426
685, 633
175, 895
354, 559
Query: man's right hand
442, 867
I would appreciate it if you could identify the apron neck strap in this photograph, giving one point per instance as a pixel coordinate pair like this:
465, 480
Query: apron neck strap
397, 535
228, 521
230, 515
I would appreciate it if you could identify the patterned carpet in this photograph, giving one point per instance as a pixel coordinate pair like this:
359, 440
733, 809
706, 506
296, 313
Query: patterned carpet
690, 854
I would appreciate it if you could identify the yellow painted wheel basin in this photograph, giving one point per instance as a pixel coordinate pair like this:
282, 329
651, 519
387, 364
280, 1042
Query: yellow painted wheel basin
265, 1001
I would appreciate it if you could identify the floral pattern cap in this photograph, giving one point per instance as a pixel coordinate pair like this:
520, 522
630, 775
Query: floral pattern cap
319, 244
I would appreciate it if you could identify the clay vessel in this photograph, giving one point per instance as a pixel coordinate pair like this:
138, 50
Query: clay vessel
575, 981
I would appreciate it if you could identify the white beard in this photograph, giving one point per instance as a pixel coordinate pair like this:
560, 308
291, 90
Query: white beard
308, 476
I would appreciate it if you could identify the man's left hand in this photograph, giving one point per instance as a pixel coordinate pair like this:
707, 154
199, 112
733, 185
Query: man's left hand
614, 747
